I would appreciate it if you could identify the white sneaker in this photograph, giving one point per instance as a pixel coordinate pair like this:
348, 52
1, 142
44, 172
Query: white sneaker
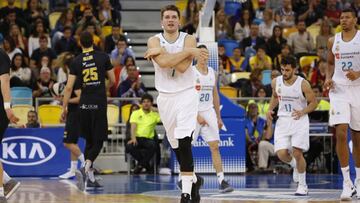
295, 175
67, 175
357, 187
348, 191
302, 190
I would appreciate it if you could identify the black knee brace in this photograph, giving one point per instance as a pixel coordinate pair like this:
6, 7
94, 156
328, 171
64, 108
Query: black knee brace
184, 155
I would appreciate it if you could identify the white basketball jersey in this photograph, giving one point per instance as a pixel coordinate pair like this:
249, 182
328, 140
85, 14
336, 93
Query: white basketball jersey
206, 85
347, 57
290, 97
168, 80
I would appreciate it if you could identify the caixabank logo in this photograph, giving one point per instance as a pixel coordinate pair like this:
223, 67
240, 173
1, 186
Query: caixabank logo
26, 151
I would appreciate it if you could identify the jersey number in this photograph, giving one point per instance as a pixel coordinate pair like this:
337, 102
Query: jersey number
346, 66
204, 97
90, 74
288, 107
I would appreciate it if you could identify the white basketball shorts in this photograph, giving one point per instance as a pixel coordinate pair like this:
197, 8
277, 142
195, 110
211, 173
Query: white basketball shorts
208, 132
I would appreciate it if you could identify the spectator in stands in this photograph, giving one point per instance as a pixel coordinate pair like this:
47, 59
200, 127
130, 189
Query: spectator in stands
268, 88
301, 42
80, 9
129, 61
263, 105
67, 43
251, 87
275, 42
10, 48
242, 27
317, 76
254, 129
222, 27
236, 61
43, 50
266, 147
143, 144
323, 104
132, 86
34, 11
66, 19
356, 7
121, 75
259, 12
192, 25
224, 77
274, 4
224, 59
107, 15
4, 11
313, 12
110, 40
254, 39
260, 60
43, 84
91, 28
332, 12
190, 12
34, 39
266, 28
285, 51
66, 59
121, 52
20, 75
324, 34
19, 39
87, 18
10, 19
285, 16
32, 120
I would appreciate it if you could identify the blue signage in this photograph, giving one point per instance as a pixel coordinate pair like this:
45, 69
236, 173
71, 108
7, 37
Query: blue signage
35, 152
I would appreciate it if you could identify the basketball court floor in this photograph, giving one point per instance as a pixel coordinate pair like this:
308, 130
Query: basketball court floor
151, 189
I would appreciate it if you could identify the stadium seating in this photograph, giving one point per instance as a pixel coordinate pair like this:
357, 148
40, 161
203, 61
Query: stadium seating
229, 92
21, 95
266, 77
307, 60
112, 116
229, 46
21, 112
240, 75
125, 113
49, 114
288, 31
53, 18
231, 7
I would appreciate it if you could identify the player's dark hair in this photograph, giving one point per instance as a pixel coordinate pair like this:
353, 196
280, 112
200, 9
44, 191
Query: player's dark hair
86, 39
289, 60
349, 10
148, 97
202, 46
170, 8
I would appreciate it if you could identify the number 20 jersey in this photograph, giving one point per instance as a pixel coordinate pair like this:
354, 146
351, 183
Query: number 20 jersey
290, 97
205, 84
347, 57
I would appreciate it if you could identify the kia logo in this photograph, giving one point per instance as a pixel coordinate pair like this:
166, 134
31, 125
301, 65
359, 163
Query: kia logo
26, 151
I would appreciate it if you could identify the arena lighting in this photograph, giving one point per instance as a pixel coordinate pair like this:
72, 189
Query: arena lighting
125, 33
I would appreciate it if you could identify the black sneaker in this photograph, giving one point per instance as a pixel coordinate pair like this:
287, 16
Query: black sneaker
195, 190
93, 185
225, 187
138, 169
185, 198
10, 187
3, 200
81, 178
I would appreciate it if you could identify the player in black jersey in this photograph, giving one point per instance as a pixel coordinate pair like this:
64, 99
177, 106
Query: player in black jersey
91, 67
72, 128
7, 185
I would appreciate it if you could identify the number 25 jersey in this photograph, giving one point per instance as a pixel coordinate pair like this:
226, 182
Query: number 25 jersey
290, 97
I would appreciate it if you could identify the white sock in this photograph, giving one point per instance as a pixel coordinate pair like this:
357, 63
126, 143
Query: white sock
2, 192
73, 166
346, 173
187, 184
292, 163
220, 177
302, 178
91, 175
179, 178
81, 159
87, 165
6, 177
194, 178
357, 173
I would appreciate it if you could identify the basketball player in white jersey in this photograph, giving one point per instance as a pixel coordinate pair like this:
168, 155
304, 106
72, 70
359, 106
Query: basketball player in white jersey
342, 79
296, 99
172, 53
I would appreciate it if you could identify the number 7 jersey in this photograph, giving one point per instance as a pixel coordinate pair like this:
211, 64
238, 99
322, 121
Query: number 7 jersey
205, 84
347, 57
290, 97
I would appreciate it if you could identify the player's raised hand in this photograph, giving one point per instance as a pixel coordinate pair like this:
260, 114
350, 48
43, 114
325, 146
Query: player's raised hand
329, 84
269, 115
352, 75
150, 53
202, 121
10, 115
297, 114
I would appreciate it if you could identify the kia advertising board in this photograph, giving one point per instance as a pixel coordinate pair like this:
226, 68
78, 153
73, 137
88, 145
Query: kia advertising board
35, 152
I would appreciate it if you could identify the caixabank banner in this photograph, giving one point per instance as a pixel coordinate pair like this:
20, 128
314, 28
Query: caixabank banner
35, 152
232, 143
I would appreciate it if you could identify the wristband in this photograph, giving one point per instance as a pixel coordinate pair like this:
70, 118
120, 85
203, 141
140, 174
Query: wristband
7, 105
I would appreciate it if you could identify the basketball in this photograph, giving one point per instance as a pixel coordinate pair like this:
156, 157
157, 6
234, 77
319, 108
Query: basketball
58, 89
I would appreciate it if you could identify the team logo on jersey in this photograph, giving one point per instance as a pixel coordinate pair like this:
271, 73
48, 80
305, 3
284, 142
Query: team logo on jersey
198, 86
337, 55
337, 48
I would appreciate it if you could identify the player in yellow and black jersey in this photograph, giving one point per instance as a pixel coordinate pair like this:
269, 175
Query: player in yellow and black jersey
92, 67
